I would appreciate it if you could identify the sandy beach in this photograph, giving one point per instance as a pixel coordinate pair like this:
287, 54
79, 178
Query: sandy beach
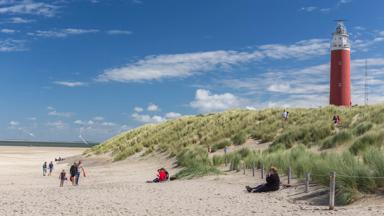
120, 189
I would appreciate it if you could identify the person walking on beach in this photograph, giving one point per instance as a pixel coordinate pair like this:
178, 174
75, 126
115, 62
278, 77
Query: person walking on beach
73, 172
50, 167
62, 177
80, 169
44, 168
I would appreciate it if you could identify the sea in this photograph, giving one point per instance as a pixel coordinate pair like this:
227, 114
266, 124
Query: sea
47, 144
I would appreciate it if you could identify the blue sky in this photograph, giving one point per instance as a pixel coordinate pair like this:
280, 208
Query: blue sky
98, 67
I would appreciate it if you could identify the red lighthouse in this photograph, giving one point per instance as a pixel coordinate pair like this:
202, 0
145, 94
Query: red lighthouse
340, 84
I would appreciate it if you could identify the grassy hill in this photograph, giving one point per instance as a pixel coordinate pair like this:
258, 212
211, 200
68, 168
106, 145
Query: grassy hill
307, 142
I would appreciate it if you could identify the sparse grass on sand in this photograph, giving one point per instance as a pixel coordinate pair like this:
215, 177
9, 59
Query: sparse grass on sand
361, 131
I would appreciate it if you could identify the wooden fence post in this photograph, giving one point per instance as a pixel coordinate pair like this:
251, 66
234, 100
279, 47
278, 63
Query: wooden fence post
332, 187
243, 167
307, 179
262, 171
253, 169
289, 175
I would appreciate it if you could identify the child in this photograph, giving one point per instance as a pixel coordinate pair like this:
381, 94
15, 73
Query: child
62, 178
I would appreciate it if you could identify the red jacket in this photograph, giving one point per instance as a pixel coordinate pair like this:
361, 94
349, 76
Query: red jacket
162, 175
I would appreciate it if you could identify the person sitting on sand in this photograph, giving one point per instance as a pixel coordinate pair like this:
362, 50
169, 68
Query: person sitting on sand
161, 176
50, 167
44, 168
80, 169
73, 172
273, 183
62, 177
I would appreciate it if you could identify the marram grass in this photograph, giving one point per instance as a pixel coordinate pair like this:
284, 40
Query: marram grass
188, 138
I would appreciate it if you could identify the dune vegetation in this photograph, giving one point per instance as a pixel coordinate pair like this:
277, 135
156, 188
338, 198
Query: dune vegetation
307, 142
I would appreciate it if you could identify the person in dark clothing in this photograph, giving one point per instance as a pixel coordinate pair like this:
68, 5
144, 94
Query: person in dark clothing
73, 172
50, 167
273, 183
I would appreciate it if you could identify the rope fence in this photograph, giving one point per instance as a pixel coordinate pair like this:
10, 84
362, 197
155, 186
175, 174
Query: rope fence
307, 179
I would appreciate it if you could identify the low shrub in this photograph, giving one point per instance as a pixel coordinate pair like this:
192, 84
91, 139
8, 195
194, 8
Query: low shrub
195, 162
337, 139
362, 128
239, 138
220, 145
373, 138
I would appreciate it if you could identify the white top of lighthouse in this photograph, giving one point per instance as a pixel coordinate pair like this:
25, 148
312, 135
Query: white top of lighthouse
340, 39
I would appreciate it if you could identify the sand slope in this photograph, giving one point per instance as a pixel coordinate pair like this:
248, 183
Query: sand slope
119, 189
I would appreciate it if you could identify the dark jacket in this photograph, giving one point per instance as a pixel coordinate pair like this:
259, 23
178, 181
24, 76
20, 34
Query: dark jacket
73, 170
273, 181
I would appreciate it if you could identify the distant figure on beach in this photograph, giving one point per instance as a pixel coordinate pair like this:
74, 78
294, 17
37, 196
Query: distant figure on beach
73, 172
80, 169
285, 115
336, 119
162, 175
50, 167
44, 168
273, 183
62, 177
59, 159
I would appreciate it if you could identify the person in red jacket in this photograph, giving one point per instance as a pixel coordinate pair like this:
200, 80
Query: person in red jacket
161, 176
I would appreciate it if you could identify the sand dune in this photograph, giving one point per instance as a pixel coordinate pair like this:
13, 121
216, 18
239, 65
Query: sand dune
119, 189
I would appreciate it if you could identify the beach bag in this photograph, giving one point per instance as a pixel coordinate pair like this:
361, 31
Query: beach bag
71, 178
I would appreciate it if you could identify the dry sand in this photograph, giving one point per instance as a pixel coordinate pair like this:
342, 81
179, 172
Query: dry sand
119, 189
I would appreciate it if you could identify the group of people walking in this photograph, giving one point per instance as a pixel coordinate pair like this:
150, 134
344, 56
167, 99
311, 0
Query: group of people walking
75, 171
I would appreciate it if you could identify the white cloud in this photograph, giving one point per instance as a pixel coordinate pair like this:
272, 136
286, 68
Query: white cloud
119, 32
98, 118
138, 109
309, 86
205, 101
79, 122
11, 45
14, 123
172, 115
57, 124
152, 108
108, 124
19, 20
309, 8
345, 1
54, 112
28, 7
62, 33
314, 9
32, 118
157, 67
7, 31
70, 84
147, 118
